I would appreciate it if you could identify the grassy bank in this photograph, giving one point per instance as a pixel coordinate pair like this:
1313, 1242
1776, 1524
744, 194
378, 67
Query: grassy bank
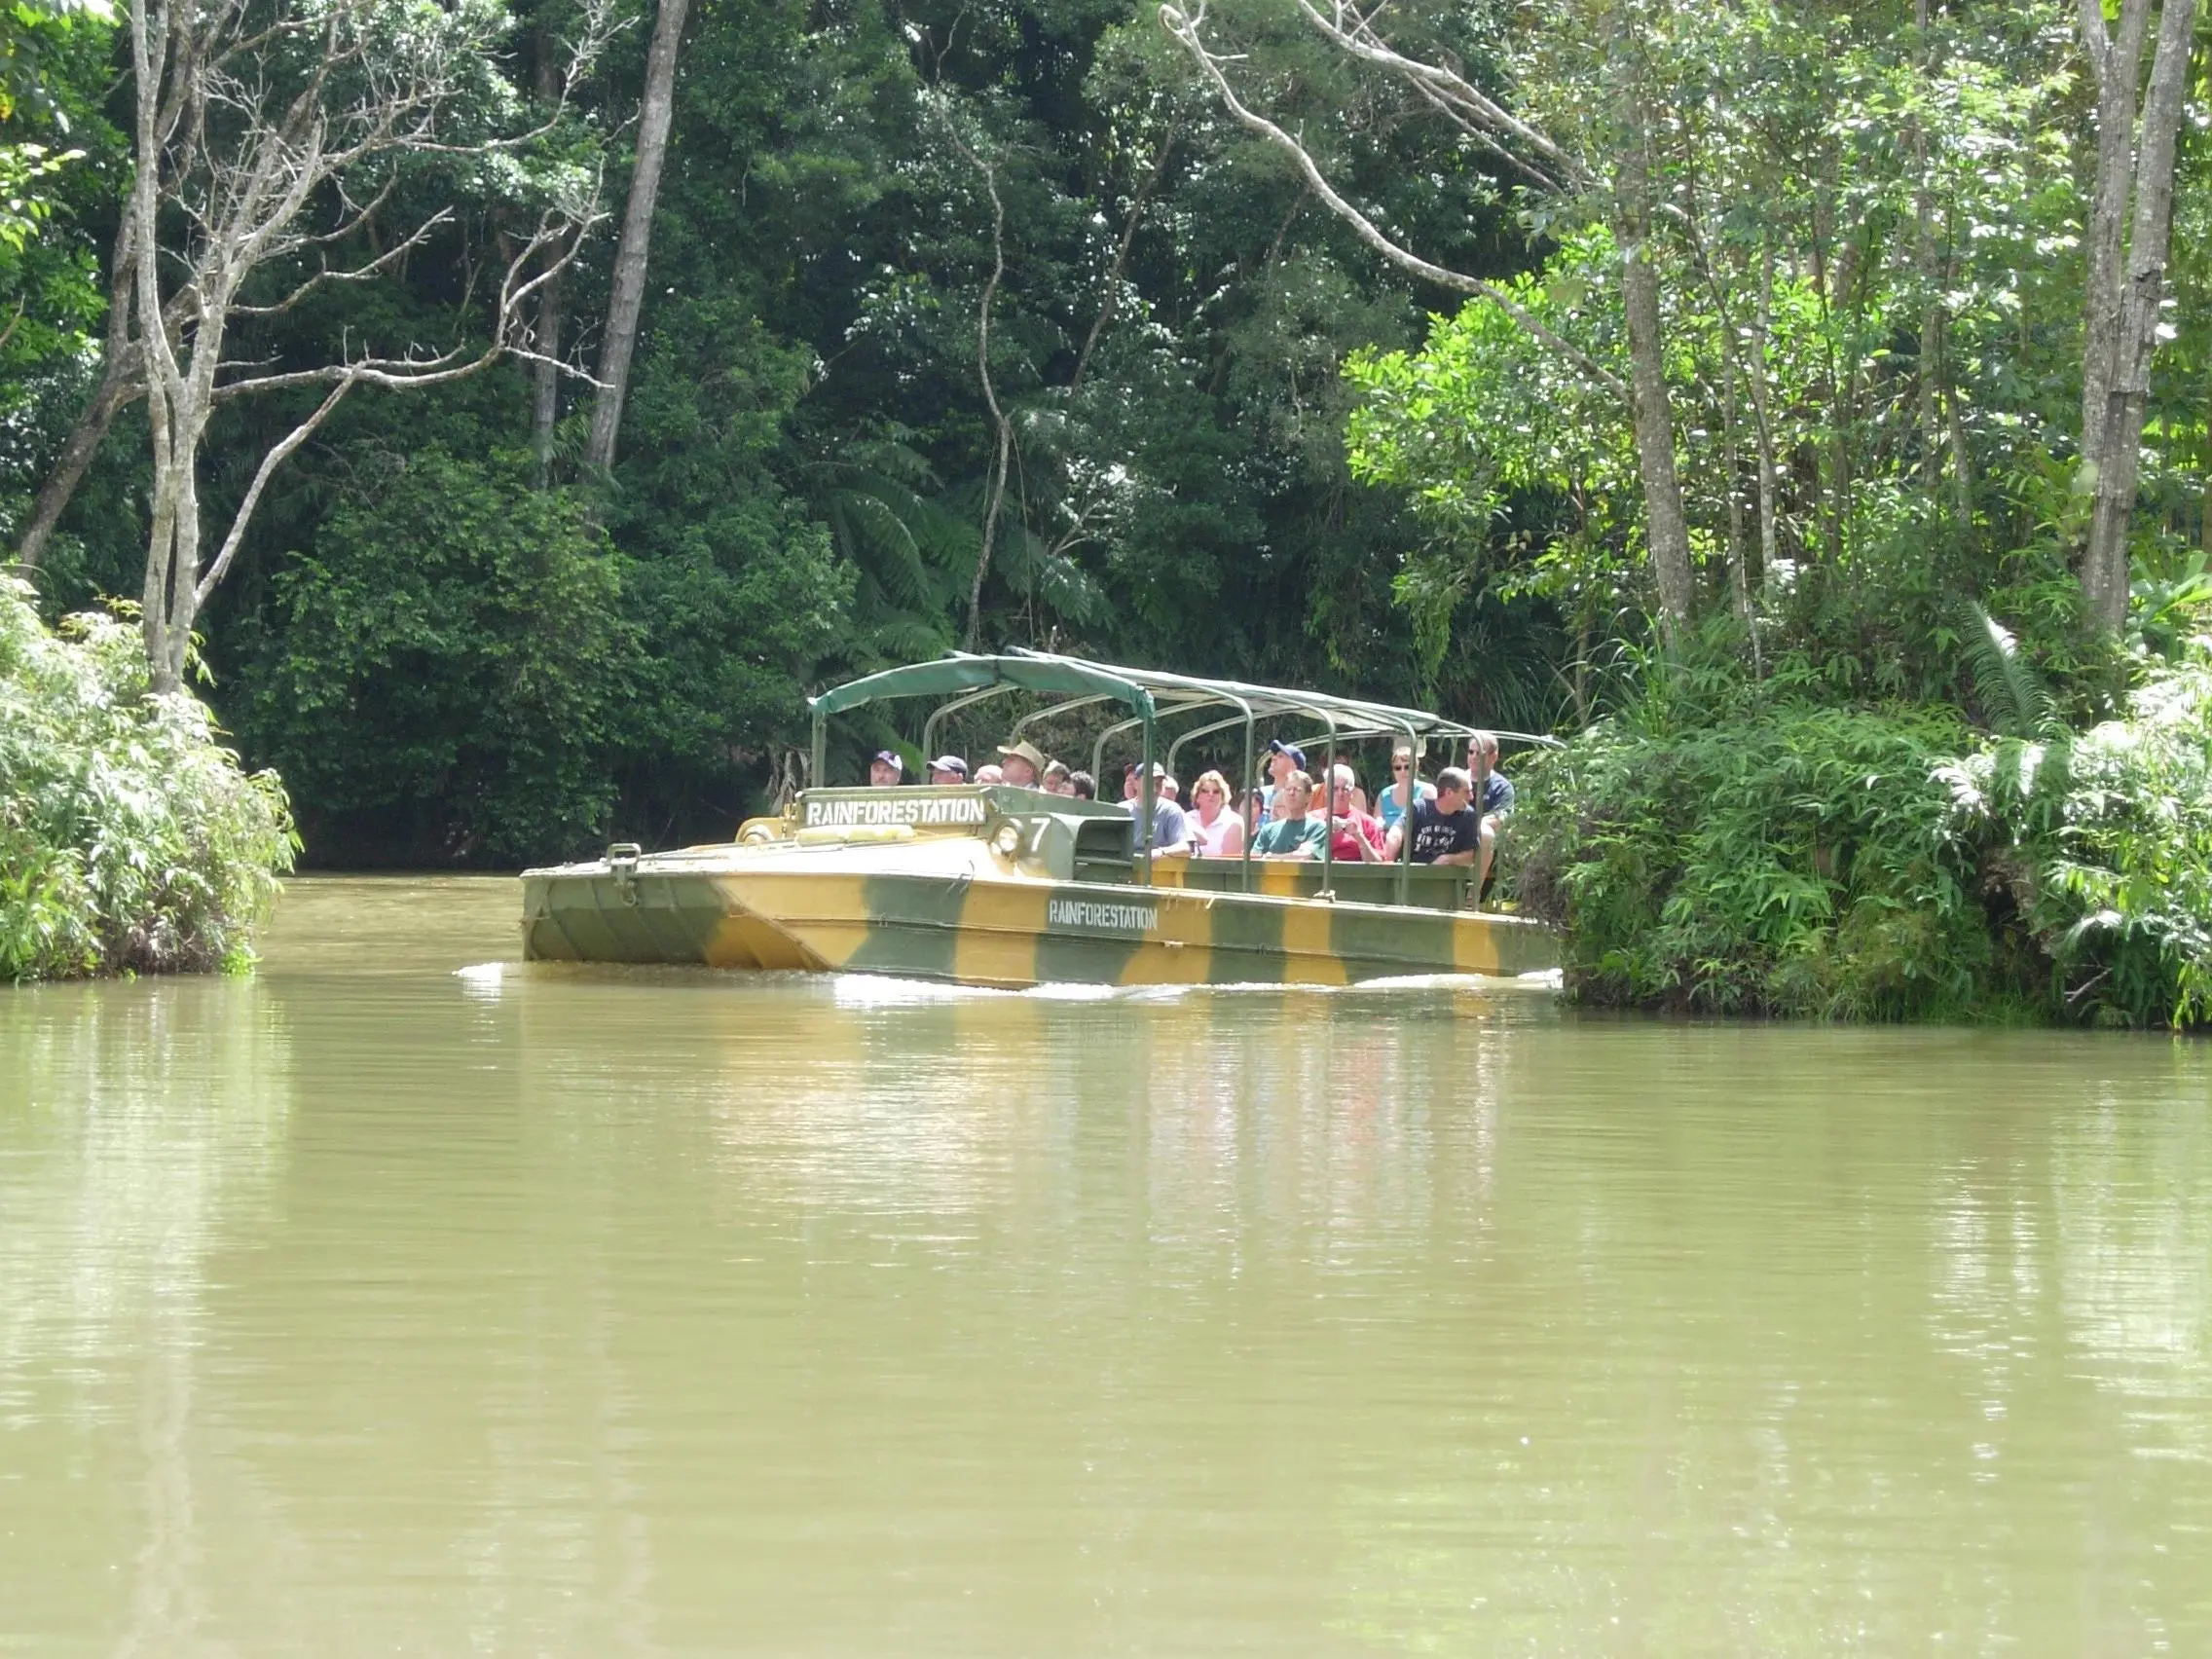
131, 839
1726, 845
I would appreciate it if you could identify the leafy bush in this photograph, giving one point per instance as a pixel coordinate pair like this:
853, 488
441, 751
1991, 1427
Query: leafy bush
450, 660
1770, 856
131, 841
2104, 842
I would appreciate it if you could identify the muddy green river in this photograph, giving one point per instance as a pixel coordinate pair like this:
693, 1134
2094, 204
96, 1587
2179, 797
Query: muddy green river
403, 1299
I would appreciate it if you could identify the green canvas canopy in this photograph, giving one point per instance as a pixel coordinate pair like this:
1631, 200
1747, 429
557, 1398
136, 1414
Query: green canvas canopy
1147, 691
967, 678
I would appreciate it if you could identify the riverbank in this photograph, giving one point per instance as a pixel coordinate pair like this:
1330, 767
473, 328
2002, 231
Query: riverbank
132, 840
1733, 846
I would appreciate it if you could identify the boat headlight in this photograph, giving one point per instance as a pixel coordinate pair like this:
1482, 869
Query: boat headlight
1007, 839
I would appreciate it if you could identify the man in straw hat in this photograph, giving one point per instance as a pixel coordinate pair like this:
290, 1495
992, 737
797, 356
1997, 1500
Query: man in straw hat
1022, 762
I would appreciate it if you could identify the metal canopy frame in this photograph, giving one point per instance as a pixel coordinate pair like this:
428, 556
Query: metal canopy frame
1150, 694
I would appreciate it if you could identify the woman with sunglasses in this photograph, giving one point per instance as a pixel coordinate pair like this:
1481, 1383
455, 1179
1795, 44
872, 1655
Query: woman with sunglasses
1394, 801
1216, 832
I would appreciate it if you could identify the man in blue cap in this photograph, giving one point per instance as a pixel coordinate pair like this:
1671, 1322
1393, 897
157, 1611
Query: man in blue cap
1284, 758
887, 771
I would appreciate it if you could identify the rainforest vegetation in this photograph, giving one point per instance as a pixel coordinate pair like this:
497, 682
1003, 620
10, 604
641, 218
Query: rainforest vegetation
1804, 408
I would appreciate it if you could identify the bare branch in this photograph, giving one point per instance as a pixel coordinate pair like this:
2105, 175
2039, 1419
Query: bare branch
270, 463
358, 274
1186, 30
1441, 86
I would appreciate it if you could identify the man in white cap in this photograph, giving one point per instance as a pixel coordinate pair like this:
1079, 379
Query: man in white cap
886, 771
948, 769
1284, 758
1022, 763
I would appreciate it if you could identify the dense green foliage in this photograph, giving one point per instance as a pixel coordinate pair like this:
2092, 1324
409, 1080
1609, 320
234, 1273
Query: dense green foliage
1758, 853
1724, 846
898, 238
131, 841
2103, 845
799, 488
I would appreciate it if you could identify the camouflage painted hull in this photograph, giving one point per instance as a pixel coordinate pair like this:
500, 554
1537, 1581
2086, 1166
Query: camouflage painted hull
954, 910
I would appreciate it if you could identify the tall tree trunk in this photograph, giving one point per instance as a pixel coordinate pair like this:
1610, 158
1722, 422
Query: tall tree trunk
2115, 64
1666, 524
1769, 484
2137, 291
545, 391
1002, 424
122, 383
1739, 579
1932, 316
120, 386
1844, 321
627, 301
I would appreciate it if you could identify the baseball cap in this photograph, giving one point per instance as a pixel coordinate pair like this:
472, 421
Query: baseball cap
949, 763
890, 758
1276, 746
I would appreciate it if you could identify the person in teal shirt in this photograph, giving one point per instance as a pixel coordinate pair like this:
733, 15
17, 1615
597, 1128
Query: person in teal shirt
1404, 783
1288, 833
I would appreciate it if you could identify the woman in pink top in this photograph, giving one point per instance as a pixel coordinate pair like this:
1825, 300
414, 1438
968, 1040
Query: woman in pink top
1215, 831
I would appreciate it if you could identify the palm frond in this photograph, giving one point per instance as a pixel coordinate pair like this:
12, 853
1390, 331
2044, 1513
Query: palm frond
2014, 695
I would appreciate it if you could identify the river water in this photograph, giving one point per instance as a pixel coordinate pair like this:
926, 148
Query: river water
403, 1299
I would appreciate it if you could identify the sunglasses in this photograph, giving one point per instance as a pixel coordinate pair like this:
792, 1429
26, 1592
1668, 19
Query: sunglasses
1401, 765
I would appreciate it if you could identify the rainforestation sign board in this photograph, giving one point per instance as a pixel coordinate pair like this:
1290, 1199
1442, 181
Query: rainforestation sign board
920, 812
1118, 918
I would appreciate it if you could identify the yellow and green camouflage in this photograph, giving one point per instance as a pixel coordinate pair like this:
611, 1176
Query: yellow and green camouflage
1011, 887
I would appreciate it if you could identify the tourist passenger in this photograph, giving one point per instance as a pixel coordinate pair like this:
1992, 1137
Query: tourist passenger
1057, 777
1494, 799
1289, 833
1023, 763
1284, 758
1354, 836
948, 769
1404, 778
1446, 830
1083, 786
1216, 832
1172, 790
990, 773
1170, 825
887, 770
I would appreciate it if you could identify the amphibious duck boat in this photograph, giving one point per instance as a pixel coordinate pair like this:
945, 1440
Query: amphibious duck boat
1012, 887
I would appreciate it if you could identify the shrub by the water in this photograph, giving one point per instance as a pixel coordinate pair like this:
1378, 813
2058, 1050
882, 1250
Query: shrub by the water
131, 839
1741, 850
1773, 858
2103, 843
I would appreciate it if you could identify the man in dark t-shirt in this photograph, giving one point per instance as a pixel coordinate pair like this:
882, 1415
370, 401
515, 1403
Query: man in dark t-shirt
1446, 831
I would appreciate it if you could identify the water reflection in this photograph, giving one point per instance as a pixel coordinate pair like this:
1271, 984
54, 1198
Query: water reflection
143, 1122
419, 1300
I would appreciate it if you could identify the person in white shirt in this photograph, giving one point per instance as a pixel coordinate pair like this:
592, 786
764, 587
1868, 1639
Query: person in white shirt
1216, 832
